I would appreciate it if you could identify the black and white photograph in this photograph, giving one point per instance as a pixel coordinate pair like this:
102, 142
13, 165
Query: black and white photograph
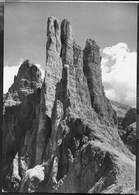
69, 97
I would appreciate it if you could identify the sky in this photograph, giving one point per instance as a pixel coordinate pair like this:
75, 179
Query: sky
112, 25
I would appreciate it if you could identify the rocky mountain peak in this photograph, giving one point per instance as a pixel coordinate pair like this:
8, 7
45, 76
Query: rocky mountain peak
92, 71
53, 35
53, 25
66, 31
92, 46
28, 79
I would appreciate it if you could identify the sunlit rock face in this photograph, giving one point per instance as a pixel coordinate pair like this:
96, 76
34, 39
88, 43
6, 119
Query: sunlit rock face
63, 137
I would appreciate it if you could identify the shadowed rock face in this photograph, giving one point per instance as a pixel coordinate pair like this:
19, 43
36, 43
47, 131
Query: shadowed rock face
130, 117
92, 71
28, 79
126, 124
60, 139
128, 132
121, 110
128, 135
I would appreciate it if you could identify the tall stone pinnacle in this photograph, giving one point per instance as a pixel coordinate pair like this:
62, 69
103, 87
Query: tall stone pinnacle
28, 80
53, 75
92, 71
53, 71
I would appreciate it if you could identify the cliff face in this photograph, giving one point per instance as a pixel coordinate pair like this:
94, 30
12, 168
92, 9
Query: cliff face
63, 137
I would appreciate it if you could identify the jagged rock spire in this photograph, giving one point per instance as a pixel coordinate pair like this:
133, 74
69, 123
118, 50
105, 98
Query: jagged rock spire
92, 71
27, 81
53, 35
53, 75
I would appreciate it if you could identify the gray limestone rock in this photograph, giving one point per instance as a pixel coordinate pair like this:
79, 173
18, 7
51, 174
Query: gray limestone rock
130, 117
28, 80
121, 110
92, 71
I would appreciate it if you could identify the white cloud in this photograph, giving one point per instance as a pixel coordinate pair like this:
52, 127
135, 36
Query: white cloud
11, 71
119, 69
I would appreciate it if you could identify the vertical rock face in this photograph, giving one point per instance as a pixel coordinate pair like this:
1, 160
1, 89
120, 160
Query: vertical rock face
19, 135
53, 75
92, 71
67, 42
53, 71
68, 140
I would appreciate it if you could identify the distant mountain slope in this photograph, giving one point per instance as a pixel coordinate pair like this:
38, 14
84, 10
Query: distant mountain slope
130, 117
128, 134
126, 124
121, 109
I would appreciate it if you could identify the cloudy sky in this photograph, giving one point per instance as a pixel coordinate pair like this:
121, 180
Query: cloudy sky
112, 25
